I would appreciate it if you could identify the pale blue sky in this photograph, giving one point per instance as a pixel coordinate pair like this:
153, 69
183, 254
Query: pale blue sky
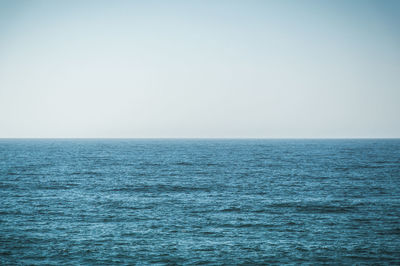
263, 69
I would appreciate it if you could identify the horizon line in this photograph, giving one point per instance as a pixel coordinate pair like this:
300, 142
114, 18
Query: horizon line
196, 138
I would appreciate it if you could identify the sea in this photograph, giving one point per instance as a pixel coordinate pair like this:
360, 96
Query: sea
199, 201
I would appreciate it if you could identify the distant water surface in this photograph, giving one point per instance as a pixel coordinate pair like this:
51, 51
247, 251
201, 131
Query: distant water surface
199, 201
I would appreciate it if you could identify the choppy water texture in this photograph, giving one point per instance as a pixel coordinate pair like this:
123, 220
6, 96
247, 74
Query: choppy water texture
199, 201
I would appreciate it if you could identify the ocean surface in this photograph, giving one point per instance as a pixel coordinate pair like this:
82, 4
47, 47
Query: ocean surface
213, 202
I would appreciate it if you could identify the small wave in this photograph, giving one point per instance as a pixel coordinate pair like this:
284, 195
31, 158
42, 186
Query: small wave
86, 173
247, 225
284, 204
312, 207
324, 209
54, 187
160, 188
7, 185
233, 209
214, 164
184, 163
394, 231
150, 164
11, 173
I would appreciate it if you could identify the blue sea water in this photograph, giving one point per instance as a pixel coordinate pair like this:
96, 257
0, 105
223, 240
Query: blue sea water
199, 201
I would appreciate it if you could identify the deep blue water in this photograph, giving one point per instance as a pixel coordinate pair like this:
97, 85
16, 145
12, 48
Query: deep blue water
199, 201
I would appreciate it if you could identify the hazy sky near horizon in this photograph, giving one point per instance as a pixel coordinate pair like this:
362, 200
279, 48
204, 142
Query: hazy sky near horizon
200, 69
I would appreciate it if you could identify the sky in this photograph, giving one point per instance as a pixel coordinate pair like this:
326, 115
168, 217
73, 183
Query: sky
200, 69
